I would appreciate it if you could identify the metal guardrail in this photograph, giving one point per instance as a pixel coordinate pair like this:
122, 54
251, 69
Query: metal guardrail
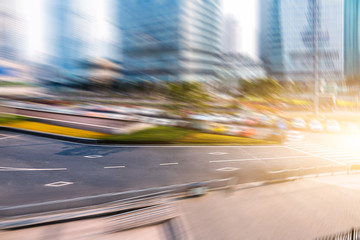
142, 217
353, 234
14, 218
129, 204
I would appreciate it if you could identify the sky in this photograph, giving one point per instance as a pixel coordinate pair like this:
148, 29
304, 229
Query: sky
244, 11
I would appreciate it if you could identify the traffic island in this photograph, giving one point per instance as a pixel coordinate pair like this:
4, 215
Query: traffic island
155, 135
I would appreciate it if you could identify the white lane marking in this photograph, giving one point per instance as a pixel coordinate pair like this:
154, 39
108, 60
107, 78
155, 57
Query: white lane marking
325, 151
313, 148
318, 156
227, 169
115, 167
58, 184
356, 161
13, 169
217, 153
93, 156
344, 155
257, 159
9, 136
166, 164
346, 158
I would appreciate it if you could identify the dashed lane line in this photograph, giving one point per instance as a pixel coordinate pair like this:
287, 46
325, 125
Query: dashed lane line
217, 153
110, 167
13, 169
168, 164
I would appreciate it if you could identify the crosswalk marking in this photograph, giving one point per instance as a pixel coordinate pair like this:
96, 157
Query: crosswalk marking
325, 152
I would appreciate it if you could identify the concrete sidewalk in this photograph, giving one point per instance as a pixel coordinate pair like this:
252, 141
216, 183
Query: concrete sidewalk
303, 209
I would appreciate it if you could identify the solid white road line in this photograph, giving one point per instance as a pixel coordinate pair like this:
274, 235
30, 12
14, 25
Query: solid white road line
115, 167
318, 156
257, 159
344, 155
167, 164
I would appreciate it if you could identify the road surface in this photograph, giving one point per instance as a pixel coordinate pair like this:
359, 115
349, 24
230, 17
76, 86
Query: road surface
35, 169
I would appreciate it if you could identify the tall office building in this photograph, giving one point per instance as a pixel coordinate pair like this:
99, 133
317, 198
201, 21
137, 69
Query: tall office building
171, 40
352, 38
11, 37
68, 39
230, 35
286, 39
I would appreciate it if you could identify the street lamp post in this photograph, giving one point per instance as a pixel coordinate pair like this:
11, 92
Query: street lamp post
315, 58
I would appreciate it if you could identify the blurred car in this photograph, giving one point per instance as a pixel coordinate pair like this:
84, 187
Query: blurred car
281, 124
298, 123
333, 126
240, 119
248, 120
316, 126
218, 128
294, 136
265, 120
247, 131
232, 130
277, 136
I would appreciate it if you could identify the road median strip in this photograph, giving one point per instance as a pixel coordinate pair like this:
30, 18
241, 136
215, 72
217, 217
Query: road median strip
155, 135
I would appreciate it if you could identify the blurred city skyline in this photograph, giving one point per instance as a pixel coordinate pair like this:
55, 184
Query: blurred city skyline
35, 14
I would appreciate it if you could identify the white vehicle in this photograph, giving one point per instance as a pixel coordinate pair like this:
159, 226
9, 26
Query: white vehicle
294, 136
298, 123
333, 126
316, 126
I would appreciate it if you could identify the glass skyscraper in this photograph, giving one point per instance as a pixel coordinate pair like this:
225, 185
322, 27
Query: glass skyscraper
286, 39
68, 33
170, 40
352, 38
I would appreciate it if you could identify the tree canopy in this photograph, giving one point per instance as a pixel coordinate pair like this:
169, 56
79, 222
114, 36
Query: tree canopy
263, 88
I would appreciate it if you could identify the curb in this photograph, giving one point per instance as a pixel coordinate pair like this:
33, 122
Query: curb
54, 136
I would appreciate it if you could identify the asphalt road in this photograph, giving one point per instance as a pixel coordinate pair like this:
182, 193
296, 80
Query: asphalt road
29, 166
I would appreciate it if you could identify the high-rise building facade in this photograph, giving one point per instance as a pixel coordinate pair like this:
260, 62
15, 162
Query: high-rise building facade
11, 32
352, 38
230, 35
286, 39
67, 34
170, 40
